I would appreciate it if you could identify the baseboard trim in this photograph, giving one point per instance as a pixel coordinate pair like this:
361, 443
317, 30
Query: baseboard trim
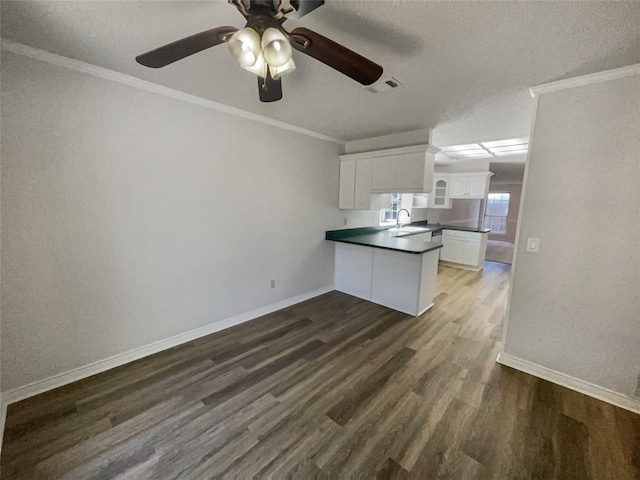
3, 417
461, 266
425, 309
64, 378
553, 376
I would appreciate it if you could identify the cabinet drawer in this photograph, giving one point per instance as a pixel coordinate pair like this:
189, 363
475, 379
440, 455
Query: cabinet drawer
474, 236
454, 233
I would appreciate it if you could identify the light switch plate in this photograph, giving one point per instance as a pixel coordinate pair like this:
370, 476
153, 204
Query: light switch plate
533, 244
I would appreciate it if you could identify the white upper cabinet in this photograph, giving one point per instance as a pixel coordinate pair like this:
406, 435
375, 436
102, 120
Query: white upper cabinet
384, 173
397, 170
413, 173
362, 193
469, 185
459, 185
439, 196
355, 186
346, 193
478, 186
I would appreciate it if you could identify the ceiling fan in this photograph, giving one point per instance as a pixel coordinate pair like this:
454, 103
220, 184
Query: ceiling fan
263, 46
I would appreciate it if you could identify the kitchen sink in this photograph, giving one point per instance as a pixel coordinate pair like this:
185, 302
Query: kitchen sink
399, 232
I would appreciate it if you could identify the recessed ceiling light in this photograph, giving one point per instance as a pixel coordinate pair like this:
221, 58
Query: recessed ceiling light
485, 154
456, 148
469, 152
513, 152
509, 148
505, 143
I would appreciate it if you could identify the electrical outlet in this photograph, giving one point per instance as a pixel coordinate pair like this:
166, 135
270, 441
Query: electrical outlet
533, 244
273, 284
345, 220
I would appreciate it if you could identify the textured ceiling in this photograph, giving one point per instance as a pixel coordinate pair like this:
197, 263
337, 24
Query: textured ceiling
450, 56
507, 172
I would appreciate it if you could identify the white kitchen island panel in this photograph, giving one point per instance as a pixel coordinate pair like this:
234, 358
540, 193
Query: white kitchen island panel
353, 268
402, 281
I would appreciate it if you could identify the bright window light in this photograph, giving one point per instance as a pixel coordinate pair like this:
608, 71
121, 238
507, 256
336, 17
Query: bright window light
496, 213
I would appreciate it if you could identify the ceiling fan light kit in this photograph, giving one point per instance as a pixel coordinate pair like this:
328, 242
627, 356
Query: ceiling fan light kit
277, 72
259, 67
275, 47
244, 46
272, 52
264, 47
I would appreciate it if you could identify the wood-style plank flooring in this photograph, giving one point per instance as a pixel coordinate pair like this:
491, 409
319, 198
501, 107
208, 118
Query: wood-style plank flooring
333, 387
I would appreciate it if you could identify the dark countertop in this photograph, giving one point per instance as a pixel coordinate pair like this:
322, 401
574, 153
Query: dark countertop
436, 227
387, 241
382, 237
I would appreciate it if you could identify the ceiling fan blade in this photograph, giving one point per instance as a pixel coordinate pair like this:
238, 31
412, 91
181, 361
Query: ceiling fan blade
330, 53
269, 89
184, 47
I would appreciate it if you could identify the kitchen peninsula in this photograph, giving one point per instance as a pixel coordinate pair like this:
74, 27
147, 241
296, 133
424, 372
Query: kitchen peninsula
396, 268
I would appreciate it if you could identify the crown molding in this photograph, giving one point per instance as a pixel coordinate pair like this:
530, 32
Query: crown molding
392, 151
592, 78
106, 74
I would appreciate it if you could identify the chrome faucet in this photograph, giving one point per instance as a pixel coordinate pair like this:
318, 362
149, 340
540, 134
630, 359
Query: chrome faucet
399, 224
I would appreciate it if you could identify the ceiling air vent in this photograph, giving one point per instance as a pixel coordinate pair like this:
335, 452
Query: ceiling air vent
384, 85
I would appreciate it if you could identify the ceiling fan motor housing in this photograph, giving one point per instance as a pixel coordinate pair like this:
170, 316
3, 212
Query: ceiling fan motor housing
277, 8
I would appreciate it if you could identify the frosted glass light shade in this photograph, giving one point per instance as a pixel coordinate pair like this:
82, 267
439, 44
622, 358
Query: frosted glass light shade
275, 47
244, 45
277, 72
259, 67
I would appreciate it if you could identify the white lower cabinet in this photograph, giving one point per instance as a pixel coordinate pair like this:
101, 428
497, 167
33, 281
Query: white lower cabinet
402, 281
453, 249
464, 248
353, 269
471, 252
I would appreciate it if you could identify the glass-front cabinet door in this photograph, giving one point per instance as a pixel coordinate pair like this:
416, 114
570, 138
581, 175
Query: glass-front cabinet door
439, 197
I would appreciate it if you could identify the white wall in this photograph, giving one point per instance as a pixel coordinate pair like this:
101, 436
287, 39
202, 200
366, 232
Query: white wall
129, 217
575, 305
3, 409
463, 212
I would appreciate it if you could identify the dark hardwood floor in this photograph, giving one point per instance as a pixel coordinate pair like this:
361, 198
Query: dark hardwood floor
333, 387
